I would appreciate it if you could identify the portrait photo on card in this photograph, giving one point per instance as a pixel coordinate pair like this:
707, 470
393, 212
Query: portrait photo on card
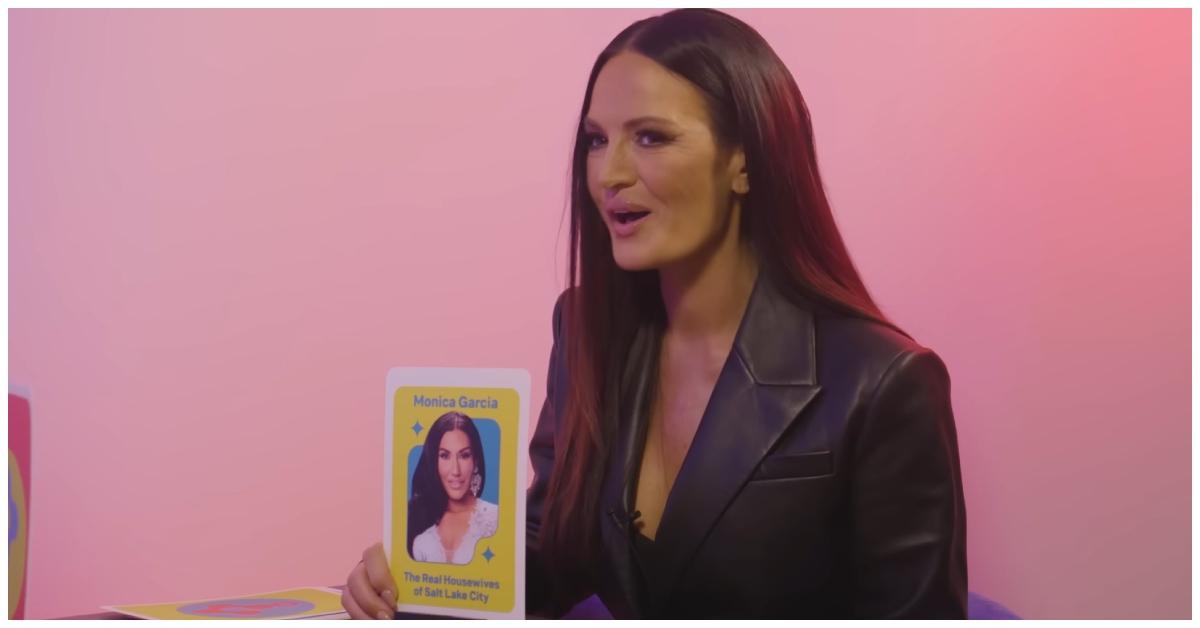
453, 489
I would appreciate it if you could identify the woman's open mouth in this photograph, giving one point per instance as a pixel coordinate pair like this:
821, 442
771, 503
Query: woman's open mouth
626, 218
626, 223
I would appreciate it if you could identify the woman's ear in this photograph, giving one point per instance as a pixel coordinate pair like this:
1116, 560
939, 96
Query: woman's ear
737, 169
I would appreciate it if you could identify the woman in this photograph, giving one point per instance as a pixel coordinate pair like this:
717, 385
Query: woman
732, 427
446, 507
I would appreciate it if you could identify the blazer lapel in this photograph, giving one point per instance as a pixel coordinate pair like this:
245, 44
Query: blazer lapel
768, 379
617, 489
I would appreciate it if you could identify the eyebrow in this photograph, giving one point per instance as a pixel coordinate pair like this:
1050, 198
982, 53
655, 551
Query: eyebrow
631, 123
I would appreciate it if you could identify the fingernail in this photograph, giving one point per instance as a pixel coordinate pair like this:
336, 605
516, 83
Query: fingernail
383, 615
388, 595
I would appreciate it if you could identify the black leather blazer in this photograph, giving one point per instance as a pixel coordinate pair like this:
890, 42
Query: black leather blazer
823, 480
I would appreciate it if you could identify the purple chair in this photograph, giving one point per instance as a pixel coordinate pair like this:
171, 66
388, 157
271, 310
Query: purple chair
978, 607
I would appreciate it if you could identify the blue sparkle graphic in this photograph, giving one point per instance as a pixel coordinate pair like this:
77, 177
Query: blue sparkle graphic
417, 428
488, 555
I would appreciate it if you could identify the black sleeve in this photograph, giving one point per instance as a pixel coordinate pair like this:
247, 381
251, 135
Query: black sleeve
909, 530
538, 599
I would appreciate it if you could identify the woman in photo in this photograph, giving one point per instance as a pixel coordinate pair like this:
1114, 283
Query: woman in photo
446, 515
732, 426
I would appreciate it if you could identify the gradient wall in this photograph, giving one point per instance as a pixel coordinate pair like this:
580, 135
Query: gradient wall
225, 226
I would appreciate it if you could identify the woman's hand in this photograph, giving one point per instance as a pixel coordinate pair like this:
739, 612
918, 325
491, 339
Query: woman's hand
370, 591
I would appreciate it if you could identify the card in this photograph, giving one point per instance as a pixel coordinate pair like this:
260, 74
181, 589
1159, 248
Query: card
19, 449
454, 528
300, 603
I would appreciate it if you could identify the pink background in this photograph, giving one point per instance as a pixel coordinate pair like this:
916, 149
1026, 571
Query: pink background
225, 226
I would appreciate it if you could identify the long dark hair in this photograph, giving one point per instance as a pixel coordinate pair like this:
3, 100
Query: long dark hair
429, 498
754, 103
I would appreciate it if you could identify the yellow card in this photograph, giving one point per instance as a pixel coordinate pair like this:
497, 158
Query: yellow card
455, 490
289, 604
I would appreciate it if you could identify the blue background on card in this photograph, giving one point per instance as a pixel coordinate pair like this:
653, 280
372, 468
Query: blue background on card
489, 434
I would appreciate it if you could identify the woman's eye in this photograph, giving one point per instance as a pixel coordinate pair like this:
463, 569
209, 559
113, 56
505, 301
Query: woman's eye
590, 140
654, 137
466, 455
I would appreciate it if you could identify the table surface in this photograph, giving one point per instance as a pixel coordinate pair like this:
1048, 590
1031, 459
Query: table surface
112, 615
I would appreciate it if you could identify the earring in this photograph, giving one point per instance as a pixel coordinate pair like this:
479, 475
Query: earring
476, 483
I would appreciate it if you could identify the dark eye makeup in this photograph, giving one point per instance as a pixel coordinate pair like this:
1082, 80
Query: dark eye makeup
655, 139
